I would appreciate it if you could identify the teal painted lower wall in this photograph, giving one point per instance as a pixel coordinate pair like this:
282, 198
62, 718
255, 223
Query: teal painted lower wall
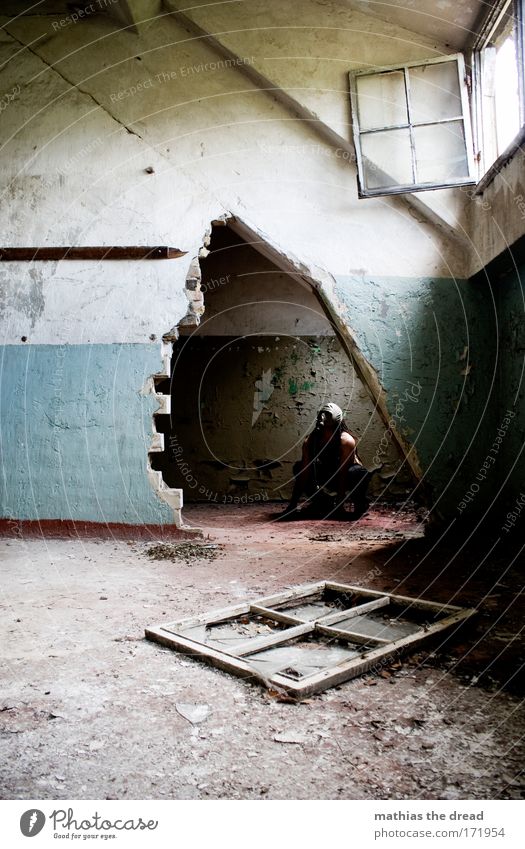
75, 433
434, 345
510, 294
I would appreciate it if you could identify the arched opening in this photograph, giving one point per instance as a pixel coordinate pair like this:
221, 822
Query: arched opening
247, 379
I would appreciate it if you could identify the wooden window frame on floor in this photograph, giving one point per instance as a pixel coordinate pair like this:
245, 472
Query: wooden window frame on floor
375, 649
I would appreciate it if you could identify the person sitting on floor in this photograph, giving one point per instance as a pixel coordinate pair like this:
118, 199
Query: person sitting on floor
330, 472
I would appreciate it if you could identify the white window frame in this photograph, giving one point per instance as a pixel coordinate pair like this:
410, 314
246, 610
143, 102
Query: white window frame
489, 164
465, 117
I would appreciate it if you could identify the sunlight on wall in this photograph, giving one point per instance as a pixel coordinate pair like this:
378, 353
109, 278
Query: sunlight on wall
506, 94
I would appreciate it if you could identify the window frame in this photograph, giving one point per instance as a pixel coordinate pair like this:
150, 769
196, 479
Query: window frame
487, 169
237, 658
459, 60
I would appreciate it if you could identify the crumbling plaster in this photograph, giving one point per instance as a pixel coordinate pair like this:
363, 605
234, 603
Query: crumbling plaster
264, 344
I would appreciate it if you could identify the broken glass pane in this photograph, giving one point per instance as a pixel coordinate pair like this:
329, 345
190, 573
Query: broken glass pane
305, 657
321, 604
311, 656
232, 632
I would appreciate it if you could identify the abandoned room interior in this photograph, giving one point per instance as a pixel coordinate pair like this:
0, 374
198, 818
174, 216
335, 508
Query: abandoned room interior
217, 219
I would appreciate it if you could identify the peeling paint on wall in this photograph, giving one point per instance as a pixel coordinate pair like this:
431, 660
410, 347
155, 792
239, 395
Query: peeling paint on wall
214, 443
25, 296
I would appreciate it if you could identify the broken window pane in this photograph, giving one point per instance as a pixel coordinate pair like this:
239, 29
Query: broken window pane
234, 632
303, 657
309, 638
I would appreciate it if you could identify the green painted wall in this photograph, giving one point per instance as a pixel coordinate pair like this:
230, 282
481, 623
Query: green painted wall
75, 433
511, 311
434, 344
242, 407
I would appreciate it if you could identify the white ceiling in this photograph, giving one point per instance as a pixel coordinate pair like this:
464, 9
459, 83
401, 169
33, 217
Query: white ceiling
448, 22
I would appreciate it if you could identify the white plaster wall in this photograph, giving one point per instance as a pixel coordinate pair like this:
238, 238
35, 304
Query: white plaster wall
497, 215
280, 307
244, 293
72, 175
333, 39
71, 302
76, 153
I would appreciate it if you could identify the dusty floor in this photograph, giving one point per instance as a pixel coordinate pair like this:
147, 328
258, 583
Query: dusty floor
88, 706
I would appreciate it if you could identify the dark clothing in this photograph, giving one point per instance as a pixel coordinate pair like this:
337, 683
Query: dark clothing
322, 486
320, 473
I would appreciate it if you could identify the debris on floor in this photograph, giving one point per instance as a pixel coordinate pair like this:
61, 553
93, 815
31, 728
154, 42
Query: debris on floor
87, 662
292, 737
325, 537
186, 551
193, 713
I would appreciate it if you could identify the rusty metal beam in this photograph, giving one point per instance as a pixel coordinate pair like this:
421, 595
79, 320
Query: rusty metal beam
93, 253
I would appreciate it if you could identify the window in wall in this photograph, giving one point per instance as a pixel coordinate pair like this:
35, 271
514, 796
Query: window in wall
498, 78
411, 127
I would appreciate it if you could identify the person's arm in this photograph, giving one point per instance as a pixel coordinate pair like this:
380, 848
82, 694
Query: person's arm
347, 458
301, 479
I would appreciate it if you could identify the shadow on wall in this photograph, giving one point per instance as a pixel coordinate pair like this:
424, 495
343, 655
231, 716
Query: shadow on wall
247, 383
455, 354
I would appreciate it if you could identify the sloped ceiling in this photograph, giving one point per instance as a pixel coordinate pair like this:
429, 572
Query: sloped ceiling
125, 12
448, 22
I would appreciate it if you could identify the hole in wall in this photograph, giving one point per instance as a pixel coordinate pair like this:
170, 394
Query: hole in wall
247, 381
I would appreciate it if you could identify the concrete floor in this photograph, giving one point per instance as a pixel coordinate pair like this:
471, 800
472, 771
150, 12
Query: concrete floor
88, 706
